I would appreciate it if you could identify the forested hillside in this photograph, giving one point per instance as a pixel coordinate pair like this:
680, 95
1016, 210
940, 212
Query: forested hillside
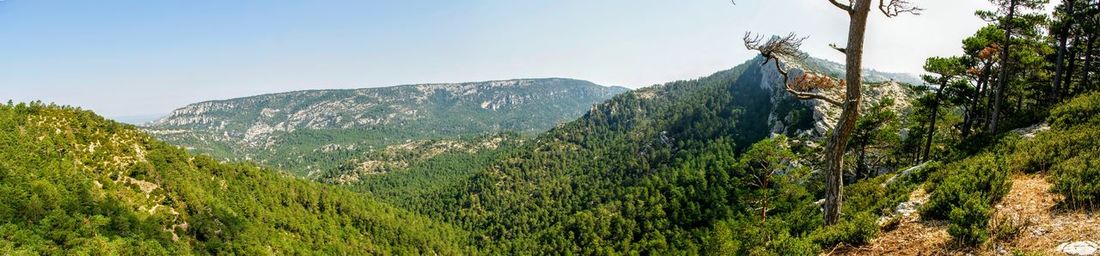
75, 183
661, 169
310, 132
992, 151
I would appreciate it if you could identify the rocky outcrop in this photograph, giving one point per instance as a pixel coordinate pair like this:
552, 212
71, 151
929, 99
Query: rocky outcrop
1079, 248
256, 121
877, 86
285, 126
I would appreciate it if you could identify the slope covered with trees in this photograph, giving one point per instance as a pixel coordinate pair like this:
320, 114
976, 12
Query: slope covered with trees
662, 169
1018, 104
311, 132
75, 183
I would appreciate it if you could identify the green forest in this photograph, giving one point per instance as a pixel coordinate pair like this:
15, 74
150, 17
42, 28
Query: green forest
75, 183
1005, 129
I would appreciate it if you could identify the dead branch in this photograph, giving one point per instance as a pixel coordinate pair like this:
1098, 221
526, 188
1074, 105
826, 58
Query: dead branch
777, 48
838, 48
845, 7
785, 47
893, 8
801, 87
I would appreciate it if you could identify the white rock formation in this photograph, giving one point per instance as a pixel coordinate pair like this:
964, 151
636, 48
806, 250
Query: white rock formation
1079, 248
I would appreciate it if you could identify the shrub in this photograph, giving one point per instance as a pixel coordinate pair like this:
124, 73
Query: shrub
969, 221
1005, 229
1084, 109
1077, 180
981, 177
879, 195
857, 230
794, 246
1049, 148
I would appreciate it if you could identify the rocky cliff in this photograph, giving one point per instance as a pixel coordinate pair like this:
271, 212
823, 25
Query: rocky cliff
877, 86
281, 127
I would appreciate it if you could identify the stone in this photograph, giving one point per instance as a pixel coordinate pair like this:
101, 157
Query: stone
1038, 231
1079, 248
908, 208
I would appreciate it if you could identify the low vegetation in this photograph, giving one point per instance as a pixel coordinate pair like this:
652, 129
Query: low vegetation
75, 183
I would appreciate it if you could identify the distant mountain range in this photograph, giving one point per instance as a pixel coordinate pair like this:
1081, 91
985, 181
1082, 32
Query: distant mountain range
309, 131
137, 119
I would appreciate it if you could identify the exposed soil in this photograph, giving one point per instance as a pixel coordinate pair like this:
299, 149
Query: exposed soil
1043, 225
1030, 213
911, 236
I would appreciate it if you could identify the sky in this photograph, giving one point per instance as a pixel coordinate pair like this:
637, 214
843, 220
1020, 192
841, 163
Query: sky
133, 58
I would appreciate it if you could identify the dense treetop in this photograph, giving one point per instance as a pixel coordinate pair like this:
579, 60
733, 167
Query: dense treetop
77, 183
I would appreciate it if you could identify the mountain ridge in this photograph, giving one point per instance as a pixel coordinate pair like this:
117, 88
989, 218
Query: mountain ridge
284, 129
162, 116
657, 164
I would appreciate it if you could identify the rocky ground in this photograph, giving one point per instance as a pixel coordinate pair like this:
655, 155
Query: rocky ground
1030, 213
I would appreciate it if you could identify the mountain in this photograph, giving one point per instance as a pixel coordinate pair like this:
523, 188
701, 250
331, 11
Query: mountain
137, 119
308, 132
76, 183
877, 87
837, 70
651, 171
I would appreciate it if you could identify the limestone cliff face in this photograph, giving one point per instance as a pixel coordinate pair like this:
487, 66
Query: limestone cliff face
307, 131
513, 105
823, 117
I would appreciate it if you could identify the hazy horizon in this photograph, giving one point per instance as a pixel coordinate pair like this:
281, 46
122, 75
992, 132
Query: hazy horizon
137, 59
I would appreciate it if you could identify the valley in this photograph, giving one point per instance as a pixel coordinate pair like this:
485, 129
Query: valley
991, 150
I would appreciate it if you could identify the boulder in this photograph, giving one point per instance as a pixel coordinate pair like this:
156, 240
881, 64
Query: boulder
1079, 248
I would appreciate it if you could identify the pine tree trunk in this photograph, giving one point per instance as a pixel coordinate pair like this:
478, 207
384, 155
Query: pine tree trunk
1063, 36
838, 141
983, 79
1072, 67
932, 121
1086, 82
1005, 66
1020, 102
861, 167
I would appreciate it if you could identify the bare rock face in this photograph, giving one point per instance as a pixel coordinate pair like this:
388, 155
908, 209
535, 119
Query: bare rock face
254, 120
262, 127
877, 87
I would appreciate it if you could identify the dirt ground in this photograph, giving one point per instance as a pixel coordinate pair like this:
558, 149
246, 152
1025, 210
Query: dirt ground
1029, 208
1044, 226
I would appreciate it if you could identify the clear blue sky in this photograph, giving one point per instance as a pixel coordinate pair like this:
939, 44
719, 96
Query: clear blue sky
137, 57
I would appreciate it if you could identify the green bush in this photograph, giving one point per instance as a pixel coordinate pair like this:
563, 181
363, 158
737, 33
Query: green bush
1049, 148
969, 221
963, 193
794, 246
1069, 151
858, 230
879, 195
1084, 109
1078, 179
981, 177
1005, 229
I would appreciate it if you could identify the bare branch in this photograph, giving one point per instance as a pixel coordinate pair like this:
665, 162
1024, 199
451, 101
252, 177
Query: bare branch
813, 96
841, 50
893, 8
777, 48
845, 7
801, 87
